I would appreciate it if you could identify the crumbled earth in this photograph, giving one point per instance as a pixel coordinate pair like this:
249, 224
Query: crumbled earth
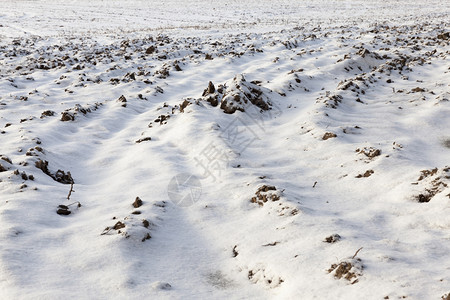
261, 106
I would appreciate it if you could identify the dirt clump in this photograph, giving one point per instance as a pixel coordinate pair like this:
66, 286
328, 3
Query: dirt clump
366, 174
264, 194
332, 238
328, 135
349, 270
67, 116
138, 202
59, 176
150, 50
370, 152
47, 113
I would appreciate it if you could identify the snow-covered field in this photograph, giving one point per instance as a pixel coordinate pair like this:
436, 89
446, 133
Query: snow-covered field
224, 150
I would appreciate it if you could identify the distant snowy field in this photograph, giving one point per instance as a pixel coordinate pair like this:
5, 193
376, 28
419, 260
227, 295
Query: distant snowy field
224, 149
143, 16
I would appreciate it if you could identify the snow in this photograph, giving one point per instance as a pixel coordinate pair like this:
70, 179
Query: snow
326, 118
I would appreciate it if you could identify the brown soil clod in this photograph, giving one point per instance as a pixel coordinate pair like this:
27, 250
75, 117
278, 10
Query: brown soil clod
145, 223
59, 176
424, 198
67, 116
426, 173
346, 270
332, 238
264, 194
209, 90
239, 93
118, 225
62, 177
146, 237
266, 188
162, 119
370, 152
137, 203
177, 67
184, 105
366, 174
435, 181
122, 100
150, 50
417, 90
328, 135
47, 113
5, 158
444, 36
349, 269
43, 165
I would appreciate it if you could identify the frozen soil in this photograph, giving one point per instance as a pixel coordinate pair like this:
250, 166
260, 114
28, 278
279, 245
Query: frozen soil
313, 130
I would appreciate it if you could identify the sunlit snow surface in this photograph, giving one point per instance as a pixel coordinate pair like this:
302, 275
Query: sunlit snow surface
339, 139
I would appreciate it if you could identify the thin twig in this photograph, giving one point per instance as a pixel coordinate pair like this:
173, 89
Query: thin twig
357, 252
70, 192
107, 229
76, 202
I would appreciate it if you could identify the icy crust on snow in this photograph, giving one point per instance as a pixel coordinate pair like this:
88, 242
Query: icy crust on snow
318, 134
